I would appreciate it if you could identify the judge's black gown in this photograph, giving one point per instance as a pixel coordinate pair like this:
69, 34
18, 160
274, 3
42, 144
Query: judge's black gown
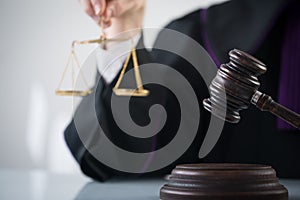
256, 27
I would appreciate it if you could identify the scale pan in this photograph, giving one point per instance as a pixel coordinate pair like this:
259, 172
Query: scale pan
131, 92
73, 92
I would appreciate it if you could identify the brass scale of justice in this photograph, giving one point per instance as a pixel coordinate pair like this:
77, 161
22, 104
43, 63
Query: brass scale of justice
73, 60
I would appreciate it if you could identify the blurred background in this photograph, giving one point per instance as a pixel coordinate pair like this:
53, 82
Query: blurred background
35, 43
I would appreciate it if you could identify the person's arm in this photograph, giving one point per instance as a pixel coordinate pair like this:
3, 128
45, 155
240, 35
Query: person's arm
117, 15
139, 112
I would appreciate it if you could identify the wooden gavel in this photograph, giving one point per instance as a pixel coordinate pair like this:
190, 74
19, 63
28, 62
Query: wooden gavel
237, 82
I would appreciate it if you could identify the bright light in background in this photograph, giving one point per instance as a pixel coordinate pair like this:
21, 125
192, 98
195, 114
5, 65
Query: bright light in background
60, 159
37, 124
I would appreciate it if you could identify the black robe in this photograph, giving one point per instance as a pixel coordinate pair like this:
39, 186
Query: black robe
253, 26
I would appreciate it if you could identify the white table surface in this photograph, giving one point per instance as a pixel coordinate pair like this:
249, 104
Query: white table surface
40, 185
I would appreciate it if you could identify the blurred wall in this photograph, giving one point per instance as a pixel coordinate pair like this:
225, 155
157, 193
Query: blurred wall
35, 41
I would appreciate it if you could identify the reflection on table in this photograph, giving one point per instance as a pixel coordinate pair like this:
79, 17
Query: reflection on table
41, 185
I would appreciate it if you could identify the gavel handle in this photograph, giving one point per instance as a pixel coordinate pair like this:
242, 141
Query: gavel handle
266, 103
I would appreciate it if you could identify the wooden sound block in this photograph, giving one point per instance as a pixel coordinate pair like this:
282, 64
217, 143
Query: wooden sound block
223, 181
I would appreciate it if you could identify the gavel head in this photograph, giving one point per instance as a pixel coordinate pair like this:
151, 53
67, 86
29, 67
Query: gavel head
234, 85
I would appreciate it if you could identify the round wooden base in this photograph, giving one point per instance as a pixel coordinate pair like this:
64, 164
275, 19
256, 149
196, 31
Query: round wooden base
223, 181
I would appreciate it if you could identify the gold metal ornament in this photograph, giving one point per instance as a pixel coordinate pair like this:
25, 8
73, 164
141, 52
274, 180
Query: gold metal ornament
73, 60
139, 91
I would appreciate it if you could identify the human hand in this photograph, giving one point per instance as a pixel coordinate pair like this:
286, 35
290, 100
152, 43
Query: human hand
117, 15
94, 8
